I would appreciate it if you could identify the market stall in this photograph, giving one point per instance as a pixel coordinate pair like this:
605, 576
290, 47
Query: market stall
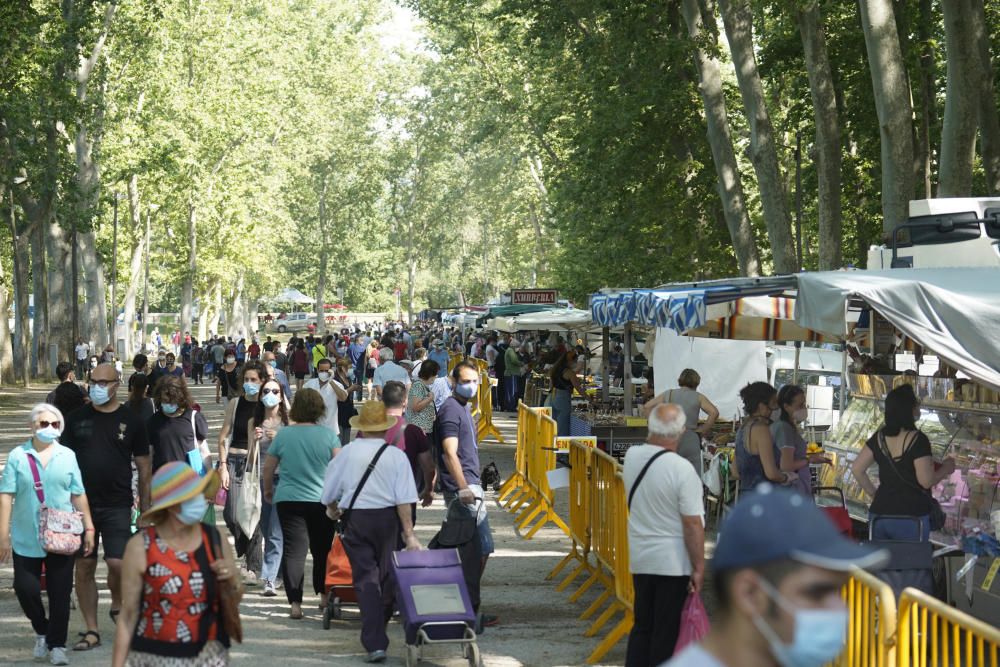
953, 313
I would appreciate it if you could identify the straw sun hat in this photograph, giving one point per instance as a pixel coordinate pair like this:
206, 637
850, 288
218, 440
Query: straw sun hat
372, 418
175, 482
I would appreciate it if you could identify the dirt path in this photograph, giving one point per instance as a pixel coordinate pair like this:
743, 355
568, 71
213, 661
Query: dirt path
539, 627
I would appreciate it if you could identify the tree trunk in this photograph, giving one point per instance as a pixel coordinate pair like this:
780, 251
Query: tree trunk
726, 168
958, 130
60, 324
536, 227
989, 118
204, 313
828, 160
6, 343
928, 108
187, 291
763, 152
251, 311
213, 323
411, 270
135, 263
40, 322
22, 259
895, 112
95, 289
321, 288
234, 322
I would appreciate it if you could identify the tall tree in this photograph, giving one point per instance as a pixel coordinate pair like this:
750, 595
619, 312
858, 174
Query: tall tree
964, 84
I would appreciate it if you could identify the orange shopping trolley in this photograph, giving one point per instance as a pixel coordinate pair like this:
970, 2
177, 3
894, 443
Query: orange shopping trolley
339, 585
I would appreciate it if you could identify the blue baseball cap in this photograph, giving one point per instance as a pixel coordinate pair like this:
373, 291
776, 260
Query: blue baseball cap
773, 524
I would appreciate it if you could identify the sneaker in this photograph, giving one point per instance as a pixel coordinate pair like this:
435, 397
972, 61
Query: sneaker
250, 578
58, 656
269, 590
41, 648
375, 656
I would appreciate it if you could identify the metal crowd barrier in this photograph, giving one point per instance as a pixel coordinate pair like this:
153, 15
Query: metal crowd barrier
579, 511
871, 628
482, 409
540, 458
933, 633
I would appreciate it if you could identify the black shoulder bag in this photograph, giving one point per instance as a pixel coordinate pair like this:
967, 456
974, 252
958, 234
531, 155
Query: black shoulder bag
345, 514
937, 517
642, 473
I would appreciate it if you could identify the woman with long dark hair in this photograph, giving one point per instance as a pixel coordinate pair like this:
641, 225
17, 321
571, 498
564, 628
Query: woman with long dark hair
270, 416
786, 432
756, 455
564, 381
906, 471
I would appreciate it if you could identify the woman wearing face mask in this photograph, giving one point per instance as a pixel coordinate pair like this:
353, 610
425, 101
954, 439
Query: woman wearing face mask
270, 416
906, 470
787, 435
345, 408
177, 428
42, 458
171, 576
756, 455
227, 383
564, 381
420, 401
172, 368
234, 439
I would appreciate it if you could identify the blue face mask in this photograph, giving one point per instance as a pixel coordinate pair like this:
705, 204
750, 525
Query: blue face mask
47, 434
192, 510
168, 408
274, 363
819, 633
99, 395
467, 390
270, 400
251, 388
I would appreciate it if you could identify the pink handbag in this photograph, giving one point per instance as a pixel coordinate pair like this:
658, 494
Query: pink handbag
694, 622
59, 531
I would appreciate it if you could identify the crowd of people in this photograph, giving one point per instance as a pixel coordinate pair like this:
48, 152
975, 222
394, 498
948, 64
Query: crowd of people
354, 432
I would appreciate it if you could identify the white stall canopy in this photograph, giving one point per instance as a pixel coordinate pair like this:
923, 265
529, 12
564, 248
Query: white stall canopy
953, 312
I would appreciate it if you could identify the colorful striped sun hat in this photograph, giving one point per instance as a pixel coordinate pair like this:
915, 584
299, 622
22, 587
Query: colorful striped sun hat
176, 482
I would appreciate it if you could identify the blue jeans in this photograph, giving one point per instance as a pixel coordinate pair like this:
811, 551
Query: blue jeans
562, 408
270, 529
902, 528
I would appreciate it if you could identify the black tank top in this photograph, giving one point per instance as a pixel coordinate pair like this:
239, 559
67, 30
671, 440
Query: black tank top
560, 382
244, 413
229, 386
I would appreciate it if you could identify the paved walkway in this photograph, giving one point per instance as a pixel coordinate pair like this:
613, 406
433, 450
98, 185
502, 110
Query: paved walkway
538, 626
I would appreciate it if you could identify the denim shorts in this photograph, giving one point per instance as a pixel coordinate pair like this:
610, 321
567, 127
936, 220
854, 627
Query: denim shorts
482, 517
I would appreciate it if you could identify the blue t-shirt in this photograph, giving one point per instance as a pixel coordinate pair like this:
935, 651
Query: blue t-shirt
441, 357
61, 479
304, 451
454, 421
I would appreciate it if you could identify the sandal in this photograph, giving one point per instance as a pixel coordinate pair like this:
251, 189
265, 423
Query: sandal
113, 613
85, 644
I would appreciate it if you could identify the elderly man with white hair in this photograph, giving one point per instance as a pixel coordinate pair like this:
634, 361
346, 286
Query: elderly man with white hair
666, 536
388, 370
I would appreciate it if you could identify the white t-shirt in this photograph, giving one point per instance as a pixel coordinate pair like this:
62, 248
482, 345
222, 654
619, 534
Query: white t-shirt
82, 350
329, 418
693, 656
669, 490
390, 370
390, 484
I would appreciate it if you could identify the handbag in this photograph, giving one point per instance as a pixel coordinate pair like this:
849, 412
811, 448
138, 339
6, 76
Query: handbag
694, 622
200, 454
59, 531
248, 502
229, 602
937, 516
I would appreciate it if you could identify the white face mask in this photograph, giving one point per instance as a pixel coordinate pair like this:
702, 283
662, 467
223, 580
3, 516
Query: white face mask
800, 415
324, 376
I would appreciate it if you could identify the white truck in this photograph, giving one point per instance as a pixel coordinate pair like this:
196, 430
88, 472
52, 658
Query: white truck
949, 232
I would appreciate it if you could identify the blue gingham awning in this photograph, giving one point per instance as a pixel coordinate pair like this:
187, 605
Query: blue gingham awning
612, 310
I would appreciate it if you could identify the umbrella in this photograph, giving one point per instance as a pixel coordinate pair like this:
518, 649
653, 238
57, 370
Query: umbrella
291, 295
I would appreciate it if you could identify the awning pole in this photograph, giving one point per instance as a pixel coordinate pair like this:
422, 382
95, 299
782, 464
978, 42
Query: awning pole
605, 363
798, 353
627, 381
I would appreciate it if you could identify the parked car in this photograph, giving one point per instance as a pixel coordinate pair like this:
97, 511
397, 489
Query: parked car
295, 322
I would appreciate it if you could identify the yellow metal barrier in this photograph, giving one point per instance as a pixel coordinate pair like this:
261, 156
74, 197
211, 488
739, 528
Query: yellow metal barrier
540, 459
519, 493
516, 480
453, 360
871, 628
932, 633
482, 409
579, 510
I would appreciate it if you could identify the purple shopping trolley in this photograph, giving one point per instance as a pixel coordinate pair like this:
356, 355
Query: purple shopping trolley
434, 603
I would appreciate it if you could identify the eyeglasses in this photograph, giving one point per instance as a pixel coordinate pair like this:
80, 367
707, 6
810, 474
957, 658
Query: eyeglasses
276, 392
45, 424
104, 383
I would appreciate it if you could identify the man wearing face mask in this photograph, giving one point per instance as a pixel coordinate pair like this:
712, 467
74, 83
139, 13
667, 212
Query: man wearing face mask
779, 567
159, 370
439, 354
273, 371
106, 436
331, 391
458, 459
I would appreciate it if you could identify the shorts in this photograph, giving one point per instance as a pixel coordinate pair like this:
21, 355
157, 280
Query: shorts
300, 375
112, 528
482, 518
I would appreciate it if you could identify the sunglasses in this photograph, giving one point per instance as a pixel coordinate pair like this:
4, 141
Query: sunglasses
45, 424
276, 392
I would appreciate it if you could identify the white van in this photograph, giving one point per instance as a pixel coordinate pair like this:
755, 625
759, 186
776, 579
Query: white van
949, 232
